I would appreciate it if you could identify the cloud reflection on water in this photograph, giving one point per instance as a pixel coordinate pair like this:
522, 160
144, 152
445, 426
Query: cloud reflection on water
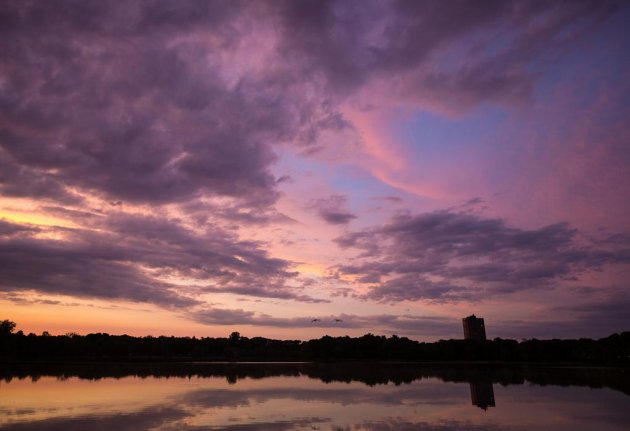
298, 401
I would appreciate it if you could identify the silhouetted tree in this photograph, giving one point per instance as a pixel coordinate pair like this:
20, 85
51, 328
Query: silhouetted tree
7, 327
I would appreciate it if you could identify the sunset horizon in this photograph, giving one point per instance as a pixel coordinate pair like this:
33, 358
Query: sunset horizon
296, 169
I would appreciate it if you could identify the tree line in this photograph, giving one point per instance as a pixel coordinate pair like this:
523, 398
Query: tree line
17, 346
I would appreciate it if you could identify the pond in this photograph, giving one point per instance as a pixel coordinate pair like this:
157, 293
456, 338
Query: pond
375, 397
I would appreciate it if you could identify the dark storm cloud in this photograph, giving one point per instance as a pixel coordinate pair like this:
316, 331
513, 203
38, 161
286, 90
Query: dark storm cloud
332, 209
129, 257
472, 256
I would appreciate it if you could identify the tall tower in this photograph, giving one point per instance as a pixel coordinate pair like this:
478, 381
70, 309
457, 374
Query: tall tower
474, 328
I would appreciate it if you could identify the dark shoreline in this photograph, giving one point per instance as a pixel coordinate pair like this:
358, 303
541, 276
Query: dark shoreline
16, 348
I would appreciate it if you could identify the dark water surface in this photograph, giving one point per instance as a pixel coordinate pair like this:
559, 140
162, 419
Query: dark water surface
280, 397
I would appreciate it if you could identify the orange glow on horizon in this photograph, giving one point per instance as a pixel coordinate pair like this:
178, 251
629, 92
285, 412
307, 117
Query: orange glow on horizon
34, 218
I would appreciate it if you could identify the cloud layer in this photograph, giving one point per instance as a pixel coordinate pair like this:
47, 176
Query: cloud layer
450, 255
157, 146
135, 258
157, 102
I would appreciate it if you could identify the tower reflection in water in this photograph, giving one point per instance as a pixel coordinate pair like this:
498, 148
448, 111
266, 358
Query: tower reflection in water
482, 395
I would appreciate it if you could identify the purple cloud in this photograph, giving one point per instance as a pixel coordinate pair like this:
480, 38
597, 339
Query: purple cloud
9, 229
140, 121
350, 45
129, 257
472, 256
133, 101
165, 107
389, 199
332, 209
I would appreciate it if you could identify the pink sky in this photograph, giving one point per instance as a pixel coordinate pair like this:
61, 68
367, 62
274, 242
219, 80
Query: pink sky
200, 168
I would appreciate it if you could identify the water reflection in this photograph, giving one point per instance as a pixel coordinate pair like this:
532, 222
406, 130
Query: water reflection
482, 395
310, 397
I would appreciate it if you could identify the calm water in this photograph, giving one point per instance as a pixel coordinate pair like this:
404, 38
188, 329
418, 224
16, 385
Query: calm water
312, 397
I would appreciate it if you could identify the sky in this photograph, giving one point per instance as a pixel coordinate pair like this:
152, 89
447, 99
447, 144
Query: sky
292, 169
